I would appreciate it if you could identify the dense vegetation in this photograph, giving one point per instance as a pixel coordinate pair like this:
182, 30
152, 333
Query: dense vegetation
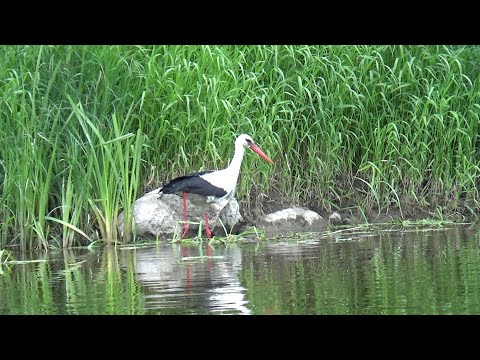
87, 129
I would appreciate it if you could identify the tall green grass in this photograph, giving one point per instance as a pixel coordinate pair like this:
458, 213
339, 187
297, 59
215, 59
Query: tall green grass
382, 127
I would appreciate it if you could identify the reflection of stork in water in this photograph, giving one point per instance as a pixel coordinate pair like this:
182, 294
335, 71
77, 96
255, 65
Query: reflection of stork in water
177, 285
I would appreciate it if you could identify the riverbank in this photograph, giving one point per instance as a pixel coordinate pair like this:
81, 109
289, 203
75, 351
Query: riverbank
360, 129
354, 211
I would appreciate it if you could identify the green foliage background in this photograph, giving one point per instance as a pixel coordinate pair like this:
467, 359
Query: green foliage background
86, 129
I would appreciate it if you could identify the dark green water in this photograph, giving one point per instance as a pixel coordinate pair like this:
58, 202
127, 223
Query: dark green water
382, 272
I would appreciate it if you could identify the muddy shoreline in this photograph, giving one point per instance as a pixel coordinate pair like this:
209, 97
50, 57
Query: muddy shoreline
353, 212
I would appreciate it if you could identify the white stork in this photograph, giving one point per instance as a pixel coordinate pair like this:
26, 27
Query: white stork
218, 186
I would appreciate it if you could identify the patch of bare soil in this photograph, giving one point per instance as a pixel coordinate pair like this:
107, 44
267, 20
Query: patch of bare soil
352, 210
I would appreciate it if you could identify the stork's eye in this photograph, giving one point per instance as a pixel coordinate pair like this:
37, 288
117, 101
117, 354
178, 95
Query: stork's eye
249, 142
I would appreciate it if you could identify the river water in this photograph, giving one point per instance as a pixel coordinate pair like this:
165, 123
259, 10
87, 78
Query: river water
383, 271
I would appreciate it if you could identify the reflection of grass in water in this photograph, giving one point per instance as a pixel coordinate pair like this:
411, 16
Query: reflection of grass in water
349, 233
76, 283
416, 272
119, 288
23, 293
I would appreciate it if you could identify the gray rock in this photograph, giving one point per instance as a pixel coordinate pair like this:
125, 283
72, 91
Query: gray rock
157, 214
335, 218
293, 220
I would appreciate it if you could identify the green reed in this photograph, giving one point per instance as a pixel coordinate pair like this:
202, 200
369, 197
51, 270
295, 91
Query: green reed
87, 129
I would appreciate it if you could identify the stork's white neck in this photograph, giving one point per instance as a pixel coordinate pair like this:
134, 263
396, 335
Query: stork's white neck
234, 167
227, 178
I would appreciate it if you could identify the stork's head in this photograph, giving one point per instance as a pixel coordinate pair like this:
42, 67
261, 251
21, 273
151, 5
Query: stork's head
247, 141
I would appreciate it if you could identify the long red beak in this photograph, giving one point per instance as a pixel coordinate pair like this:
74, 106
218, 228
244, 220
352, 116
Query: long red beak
261, 153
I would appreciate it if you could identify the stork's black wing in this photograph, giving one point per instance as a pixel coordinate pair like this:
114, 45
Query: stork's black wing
193, 183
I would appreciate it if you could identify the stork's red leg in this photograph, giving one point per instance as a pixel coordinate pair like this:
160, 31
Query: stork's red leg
185, 225
207, 228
